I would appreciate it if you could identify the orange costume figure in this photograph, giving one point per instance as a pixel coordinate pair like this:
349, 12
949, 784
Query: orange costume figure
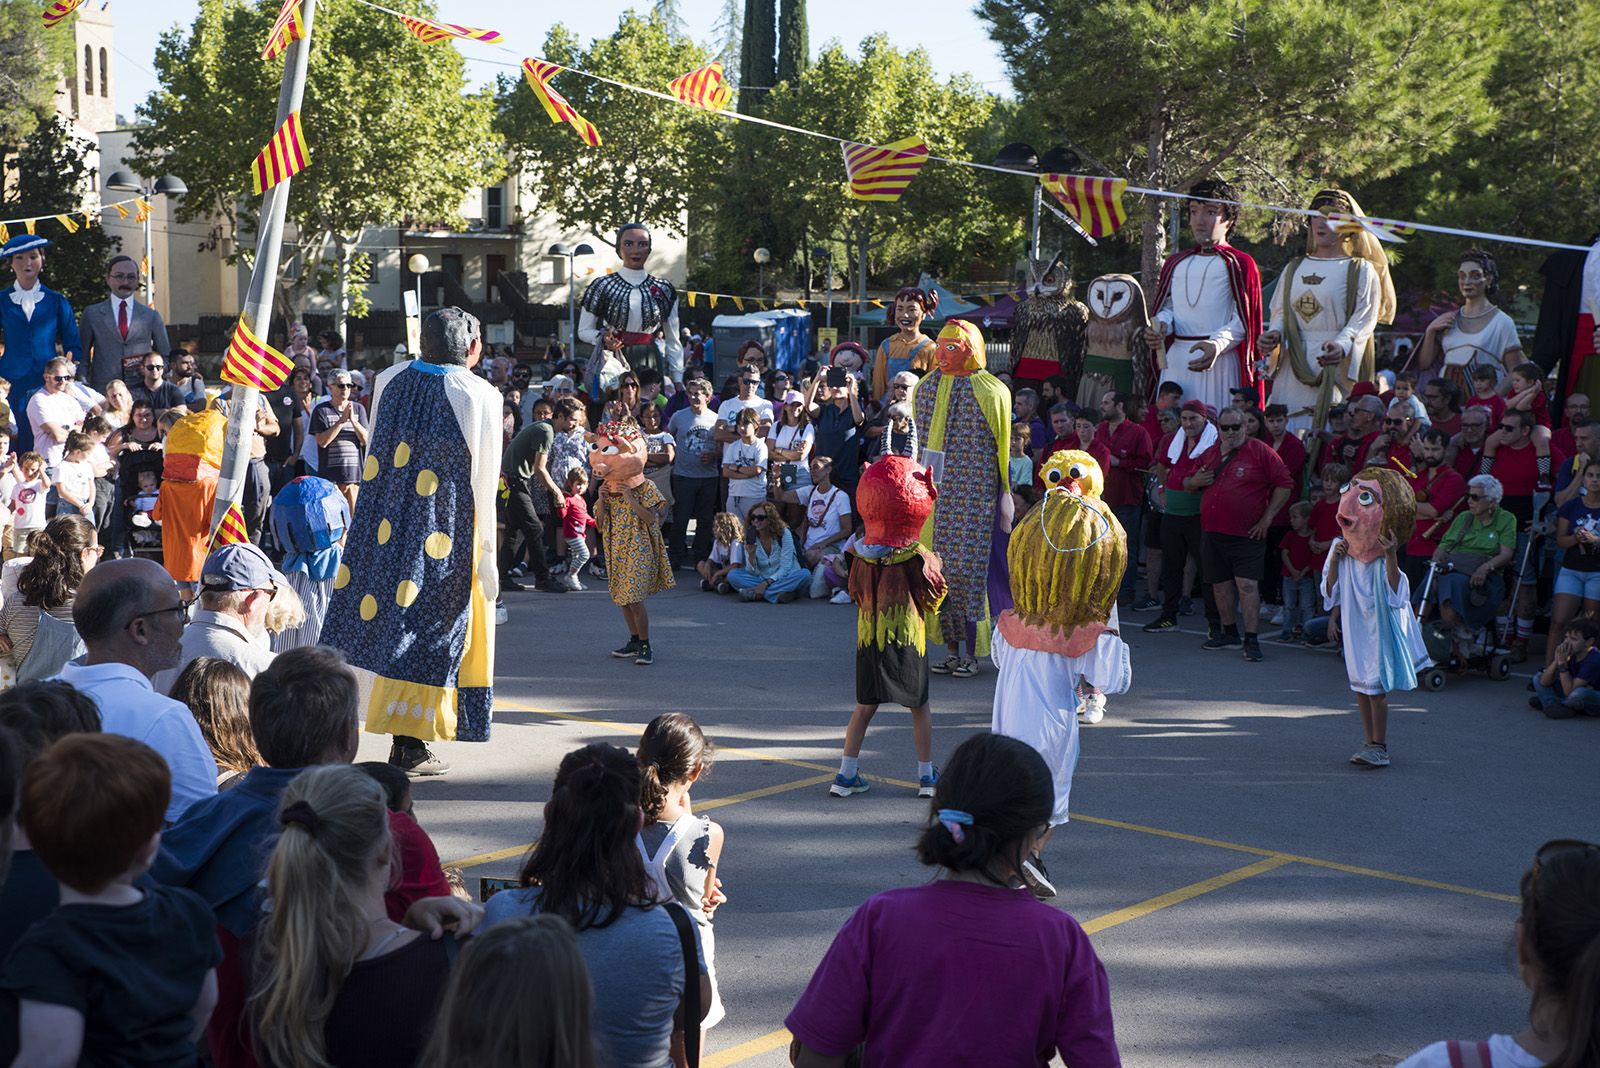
628, 515
193, 463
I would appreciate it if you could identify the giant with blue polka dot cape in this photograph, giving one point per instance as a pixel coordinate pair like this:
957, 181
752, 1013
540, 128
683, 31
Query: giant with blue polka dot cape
413, 601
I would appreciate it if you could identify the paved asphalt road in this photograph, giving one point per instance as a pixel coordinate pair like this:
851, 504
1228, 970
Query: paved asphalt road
1256, 899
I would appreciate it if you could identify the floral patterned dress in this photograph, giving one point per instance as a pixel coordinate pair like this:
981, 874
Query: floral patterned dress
636, 554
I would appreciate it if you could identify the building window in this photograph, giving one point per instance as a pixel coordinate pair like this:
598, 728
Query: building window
88, 71
104, 81
494, 207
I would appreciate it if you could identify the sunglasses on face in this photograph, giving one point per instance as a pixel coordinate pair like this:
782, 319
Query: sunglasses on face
1510, 428
1476, 497
63, 378
1229, 426
751, 381
1394, 422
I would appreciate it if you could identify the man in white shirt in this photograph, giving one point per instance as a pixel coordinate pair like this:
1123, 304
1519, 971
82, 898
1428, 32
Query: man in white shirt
54, 412
237, 585
119, 331
131, 618
749, 382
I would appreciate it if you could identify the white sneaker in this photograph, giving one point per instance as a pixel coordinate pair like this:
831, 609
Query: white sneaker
501, 615
840, 597
571, 582
1093, 708
1278, 612
819, 582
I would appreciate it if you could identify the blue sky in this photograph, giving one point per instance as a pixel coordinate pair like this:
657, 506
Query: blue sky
949, 31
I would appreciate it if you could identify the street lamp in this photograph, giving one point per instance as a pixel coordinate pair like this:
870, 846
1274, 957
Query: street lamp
418, 265
1018, 156
820, 252
167, 185
762, 258
563, 251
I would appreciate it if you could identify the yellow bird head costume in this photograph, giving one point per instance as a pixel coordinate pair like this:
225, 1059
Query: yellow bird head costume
1073, 470
1068, 553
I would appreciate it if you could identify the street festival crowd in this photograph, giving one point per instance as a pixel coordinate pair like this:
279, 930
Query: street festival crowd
196, 872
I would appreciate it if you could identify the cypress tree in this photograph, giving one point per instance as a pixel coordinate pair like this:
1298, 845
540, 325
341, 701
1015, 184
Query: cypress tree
756, 67
794, 41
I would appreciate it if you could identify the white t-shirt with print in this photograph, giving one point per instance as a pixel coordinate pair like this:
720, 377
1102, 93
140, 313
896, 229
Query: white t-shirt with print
77, 478
827, 513
746, 454
729, 410
27, 504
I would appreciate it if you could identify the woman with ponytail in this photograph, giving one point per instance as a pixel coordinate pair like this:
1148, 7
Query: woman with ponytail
337, 983
999, 977
1558, 947
587, 868
63, 552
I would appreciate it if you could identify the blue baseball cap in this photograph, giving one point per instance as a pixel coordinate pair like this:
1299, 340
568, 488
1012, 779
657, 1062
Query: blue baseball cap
240, 566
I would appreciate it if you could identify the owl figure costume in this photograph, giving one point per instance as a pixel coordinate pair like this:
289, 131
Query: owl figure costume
1114, 341
1047, 337
413, 601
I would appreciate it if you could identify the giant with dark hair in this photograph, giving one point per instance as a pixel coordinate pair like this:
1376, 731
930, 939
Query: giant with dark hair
928, 298
1219, 189
1491, 269
447, 335
586, 864
1005, 787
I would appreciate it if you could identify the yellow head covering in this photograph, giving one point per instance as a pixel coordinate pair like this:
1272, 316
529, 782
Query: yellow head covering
961, 330
1362, 245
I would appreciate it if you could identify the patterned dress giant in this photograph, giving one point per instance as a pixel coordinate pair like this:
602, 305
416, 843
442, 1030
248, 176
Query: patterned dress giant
636, 554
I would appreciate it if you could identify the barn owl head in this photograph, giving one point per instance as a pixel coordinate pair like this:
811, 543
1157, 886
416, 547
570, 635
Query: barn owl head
1113, 296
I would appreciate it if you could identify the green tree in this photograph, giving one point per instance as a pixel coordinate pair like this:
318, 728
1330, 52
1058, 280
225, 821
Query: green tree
727, 37
670, 15
392, 133
50, 176
655, 156
757, 68
33, 61
794, 40
1279, 95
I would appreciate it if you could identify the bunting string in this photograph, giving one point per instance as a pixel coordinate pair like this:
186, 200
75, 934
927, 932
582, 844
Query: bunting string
70, 220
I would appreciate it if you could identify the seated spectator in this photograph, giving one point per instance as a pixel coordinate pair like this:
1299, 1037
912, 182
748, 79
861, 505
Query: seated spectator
412, 844
771, 571
587, 869
827, 514
285, 623
237, 586
974, 943
129, 974
335, 980
130, 616
218, 693
33, 717
1555, 938
63, 553
727, 553
1478, 544
139, 434
1566, 687
519, 995
153, 387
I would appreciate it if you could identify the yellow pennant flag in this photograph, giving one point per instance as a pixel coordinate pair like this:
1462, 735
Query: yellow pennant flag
692, 295
703, 87
66, 220
231, 531
122, 212
29, 224
539, 73
738, 302
5, 233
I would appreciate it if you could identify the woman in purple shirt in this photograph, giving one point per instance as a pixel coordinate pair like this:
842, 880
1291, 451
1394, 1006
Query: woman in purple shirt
970, 969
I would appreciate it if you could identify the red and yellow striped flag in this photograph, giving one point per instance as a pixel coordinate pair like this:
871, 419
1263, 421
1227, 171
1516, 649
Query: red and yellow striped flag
430, 32
5, 233
66, 220
285, 156
231, 531
1382, 229
252, 362
1095, 203
539, 73
703, 88
882, 172
288, 26
58, 10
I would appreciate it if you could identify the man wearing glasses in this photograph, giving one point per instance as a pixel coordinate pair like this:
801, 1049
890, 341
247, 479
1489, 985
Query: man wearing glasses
339, 425
154, 387
119, 331
749, 381
54, 412
237, 585
1395, 446
1508, 455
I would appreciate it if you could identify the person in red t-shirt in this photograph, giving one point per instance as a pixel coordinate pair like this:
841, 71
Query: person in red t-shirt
1508, 455
1576, 412
1065, 438
1465, 453
1167, 400
1245, 490
1527, 395
1485, 379
1394, 447
1298, 565
1186, 466
1441, 493
1443, 401
1292, 451
1129, 454
1325, 509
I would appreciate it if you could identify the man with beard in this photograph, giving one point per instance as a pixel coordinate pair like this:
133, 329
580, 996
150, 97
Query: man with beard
1395, 446
910, 349
1443, 401
624, 310
1441, 493
1466, 448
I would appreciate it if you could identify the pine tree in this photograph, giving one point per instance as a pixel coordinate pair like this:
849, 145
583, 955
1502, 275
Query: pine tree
671, 16
794, 42
757, 71
728, 33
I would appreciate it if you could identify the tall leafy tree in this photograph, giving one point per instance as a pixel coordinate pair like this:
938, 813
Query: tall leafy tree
794, 40
33, 60
655, 156
392, 131
1278, 95
50, 175
757, 61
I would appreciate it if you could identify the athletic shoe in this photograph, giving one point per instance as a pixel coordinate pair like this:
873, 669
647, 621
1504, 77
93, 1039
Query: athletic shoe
1560, 710
926, 783
511, 582
571, 584
1037, 876
1519, 651
1186, 606
1536, 704
843, 787
597, 571
705, 586
629, 651
1252, 649
945, 666
501, 615
840, 597
416, 759
749, 595
965, 668
1221, 638
520, 570
787, 596
1093, 708
551, 585
644, 659
1372, 756
723, 587
1163, 623
1146, 603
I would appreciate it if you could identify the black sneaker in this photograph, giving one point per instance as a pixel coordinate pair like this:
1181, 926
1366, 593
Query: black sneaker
1160, 624
1252, 648
550, 585
1223, 638
629, 651
644, 659
1037, 876
1536, 704
705, 586
416, 760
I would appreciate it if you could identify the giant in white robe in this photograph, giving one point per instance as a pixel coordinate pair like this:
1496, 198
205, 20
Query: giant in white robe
1200, 307
1383, 648
1318, 294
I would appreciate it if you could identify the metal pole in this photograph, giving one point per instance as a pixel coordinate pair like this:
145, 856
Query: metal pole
149, 257
572, 305
830, 287
1033, 228
263, 282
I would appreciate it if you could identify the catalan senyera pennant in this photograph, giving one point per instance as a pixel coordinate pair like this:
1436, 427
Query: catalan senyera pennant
1094, 203
66, 221
430, 32
29, 223
285, 156
252, 362
5, 233
231, 531
1382, 229
289, 26
703, 87
539, 73
882, 172
58, 10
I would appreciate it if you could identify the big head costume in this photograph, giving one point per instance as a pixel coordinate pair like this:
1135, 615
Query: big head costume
635, 305
37, 324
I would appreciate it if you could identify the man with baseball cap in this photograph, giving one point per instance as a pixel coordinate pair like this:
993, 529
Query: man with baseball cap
237, 586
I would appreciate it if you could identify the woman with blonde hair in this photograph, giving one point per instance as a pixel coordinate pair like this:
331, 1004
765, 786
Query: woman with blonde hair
118, 408
336, 981
218, 693
520, 998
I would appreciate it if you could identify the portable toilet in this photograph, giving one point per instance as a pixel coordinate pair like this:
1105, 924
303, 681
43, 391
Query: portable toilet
792, 338
729, 333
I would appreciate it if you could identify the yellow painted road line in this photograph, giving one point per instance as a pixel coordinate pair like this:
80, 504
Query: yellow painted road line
1182, 894
778, 1039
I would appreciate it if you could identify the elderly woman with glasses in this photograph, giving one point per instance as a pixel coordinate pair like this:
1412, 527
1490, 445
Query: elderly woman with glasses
772, 571
340, 427
1479, 543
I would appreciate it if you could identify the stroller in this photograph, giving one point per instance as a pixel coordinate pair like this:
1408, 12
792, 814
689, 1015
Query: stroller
1465, 648
143, 532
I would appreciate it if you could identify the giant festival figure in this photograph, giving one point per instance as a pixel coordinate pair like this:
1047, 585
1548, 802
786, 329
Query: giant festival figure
34, 319
622, 313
